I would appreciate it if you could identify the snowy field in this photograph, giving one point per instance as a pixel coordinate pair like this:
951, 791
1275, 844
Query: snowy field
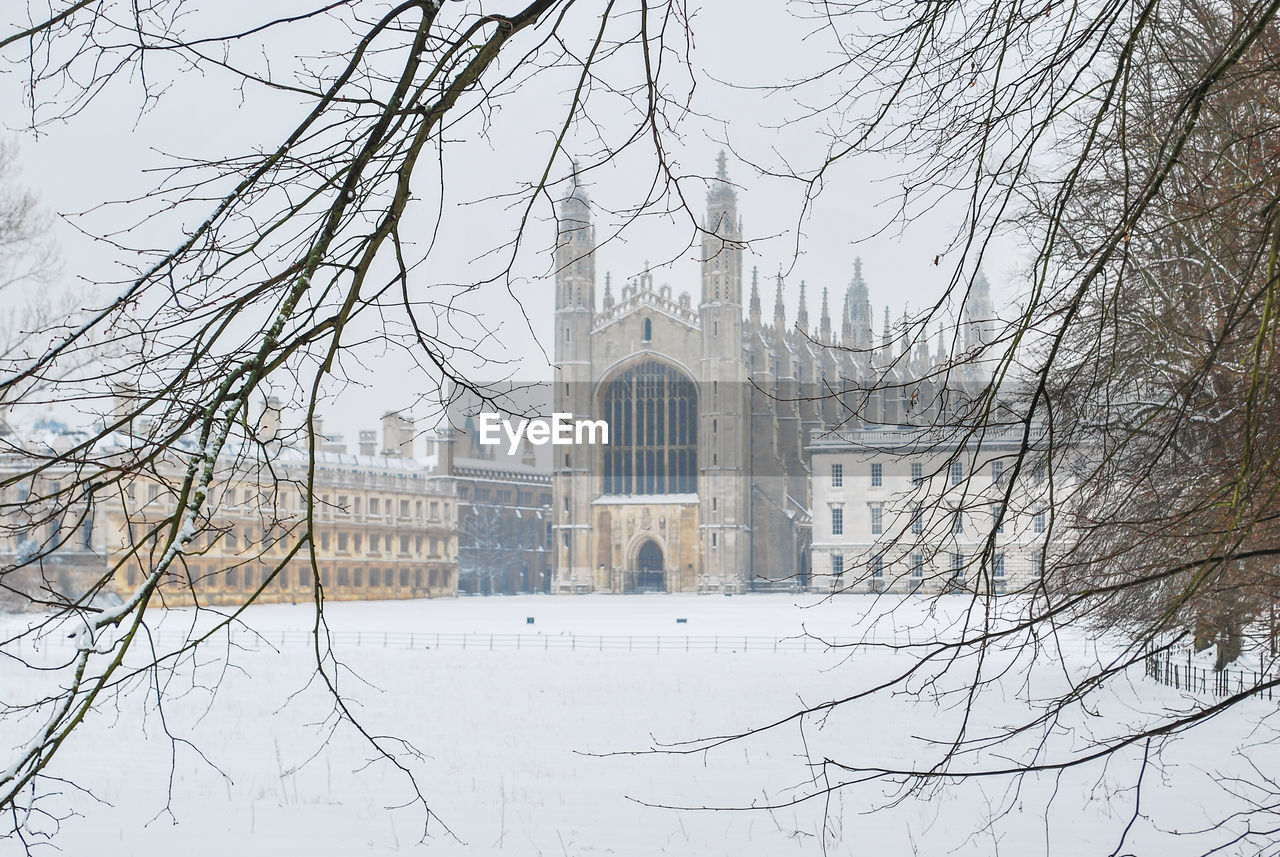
525, 751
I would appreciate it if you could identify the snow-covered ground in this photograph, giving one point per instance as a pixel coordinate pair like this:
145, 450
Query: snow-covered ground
527, 751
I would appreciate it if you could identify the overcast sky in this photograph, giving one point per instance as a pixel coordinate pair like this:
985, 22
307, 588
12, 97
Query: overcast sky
112, 151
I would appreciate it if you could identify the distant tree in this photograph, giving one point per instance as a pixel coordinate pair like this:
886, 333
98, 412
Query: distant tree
490, 553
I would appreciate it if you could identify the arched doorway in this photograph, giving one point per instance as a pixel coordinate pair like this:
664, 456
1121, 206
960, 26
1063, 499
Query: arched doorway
648, 575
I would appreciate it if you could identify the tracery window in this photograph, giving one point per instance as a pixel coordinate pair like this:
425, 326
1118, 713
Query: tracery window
652, 411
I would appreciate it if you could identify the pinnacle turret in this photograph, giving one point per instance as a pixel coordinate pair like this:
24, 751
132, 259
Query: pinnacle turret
779, 310
755, 298
802, 315
824, 324
858, 311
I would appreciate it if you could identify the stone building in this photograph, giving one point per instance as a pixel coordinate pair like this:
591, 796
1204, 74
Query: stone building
705, 483
504, 518
384, 522
918, 509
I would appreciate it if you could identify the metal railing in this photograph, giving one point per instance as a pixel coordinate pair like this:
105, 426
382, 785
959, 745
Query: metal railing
1165, 668
250, 640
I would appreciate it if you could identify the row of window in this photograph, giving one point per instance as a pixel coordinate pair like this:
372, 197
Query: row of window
955, 473
235, 578
1039, 521
917, 563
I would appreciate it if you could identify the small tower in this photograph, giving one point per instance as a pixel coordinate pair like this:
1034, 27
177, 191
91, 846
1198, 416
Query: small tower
723, 506
608, 294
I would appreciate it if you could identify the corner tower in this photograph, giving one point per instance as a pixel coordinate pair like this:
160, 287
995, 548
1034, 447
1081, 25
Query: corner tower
723, 441
575, 301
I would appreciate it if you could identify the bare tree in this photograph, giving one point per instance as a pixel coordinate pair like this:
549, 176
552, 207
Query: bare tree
1130, 147
295, 258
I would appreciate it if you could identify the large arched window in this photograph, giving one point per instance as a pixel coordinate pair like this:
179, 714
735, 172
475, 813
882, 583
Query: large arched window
652, 411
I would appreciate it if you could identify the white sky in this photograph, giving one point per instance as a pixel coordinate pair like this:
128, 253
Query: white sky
112, 150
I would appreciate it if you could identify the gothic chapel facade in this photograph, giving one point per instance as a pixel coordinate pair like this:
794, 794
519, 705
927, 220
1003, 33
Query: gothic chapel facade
704, 485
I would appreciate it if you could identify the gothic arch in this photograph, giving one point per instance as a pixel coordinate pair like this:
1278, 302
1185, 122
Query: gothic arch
652, 411
647, 563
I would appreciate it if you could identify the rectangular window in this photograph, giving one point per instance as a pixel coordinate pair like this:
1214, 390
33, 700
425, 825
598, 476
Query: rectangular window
917, 521
837, 476
373, 506
356, 541
998, 515
957, 523
877, 566
342, 542
1040, 521
877, 519
359, 576
877, 474
714, 540
957, 472
917, 473
1039, 474
1037, 565
343, 578
404, 544
917, 565
997, 567
324, 541
997, 472
837, 521
837, 564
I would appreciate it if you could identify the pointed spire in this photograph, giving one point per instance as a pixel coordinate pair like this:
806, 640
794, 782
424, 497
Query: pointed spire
779, 311
858, 320
846, 326
885, 332
722, 201
977, 314
608, 291
906, 344
755, 298
802, 316
824, 328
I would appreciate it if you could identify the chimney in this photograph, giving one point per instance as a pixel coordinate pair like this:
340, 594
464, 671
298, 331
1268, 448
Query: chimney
269, 423
124, 402
444, 451
397, 435
333, 443
368, 443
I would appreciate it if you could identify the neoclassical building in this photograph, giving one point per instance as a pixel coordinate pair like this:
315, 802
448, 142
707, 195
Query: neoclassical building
705, 484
